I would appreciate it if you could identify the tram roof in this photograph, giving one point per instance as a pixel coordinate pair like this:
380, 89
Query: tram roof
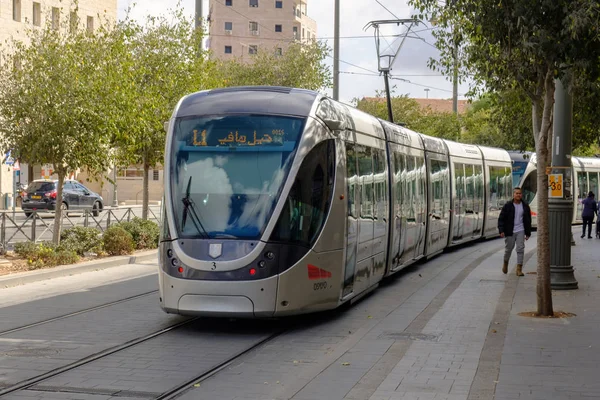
249, 100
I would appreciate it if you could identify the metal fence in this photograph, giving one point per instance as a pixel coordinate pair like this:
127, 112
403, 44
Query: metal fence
38, 226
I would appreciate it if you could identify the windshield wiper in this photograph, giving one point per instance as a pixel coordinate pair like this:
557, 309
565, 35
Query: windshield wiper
189, 207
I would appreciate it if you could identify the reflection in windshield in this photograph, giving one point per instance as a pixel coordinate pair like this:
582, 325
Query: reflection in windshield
238, 165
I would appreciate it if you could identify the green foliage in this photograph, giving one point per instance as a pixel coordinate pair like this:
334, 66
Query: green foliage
45, 254
301, 65
409, 113
144, 233
117, 241
81, 240
53, 101
26, 250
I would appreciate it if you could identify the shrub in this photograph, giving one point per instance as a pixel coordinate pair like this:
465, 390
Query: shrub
26, 250
117, 241
45, 254
81, 240
145, 233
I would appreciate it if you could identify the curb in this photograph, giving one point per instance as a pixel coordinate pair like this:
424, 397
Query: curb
23, 278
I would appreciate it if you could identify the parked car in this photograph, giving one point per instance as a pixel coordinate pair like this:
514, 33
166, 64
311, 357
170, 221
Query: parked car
40, 195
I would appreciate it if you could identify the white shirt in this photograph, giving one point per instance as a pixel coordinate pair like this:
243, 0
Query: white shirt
519, 227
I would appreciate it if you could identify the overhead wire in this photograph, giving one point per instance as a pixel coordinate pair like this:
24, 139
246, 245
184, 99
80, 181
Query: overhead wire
340, 60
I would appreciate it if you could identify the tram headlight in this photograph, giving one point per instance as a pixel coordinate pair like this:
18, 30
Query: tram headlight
270, 255
174, 262
170, 253
262, 264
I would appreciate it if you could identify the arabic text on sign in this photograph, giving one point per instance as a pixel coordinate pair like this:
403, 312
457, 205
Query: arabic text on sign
237, 139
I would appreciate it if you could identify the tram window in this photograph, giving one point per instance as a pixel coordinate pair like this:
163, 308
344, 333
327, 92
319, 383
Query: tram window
380, 182
436, 188
593, 179
582, 184
469, 180
399, 163
351, 179
365, 170
409, 193
308, 202
529, 188
478, 181
459, 175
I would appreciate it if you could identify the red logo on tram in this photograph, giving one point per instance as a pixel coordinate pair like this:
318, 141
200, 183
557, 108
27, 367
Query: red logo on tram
315, 273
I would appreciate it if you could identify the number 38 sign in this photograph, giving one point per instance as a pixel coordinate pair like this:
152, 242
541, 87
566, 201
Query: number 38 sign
555, 185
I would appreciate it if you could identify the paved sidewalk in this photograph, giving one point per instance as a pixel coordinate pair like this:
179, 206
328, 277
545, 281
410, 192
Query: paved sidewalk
478, 347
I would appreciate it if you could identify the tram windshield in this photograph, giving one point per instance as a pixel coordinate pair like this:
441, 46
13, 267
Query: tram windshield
227, 172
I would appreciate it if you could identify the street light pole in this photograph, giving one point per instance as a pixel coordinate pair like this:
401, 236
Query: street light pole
560, 200
336, 51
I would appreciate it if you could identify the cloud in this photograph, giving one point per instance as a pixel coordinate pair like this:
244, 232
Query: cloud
357, 46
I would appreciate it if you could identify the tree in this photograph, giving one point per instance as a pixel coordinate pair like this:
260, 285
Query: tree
410, 114
160, 62
524, 45
51, 103
300, 65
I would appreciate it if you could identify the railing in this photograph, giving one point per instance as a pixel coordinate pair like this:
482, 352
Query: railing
16, 227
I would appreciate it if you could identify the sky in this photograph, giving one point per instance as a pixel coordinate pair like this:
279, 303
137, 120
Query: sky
359, 76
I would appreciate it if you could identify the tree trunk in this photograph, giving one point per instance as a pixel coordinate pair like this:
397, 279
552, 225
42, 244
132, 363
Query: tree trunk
58, 213
145, 191
544, 292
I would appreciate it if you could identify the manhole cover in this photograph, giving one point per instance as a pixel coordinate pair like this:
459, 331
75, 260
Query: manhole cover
409, 336
32, 352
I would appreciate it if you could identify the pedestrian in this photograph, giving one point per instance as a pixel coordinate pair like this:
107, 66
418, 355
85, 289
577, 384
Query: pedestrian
590, 209
514, 225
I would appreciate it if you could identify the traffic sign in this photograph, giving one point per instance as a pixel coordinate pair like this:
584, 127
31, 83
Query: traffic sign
555, 186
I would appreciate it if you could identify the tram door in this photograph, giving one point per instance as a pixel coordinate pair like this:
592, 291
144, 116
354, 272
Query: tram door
351, 219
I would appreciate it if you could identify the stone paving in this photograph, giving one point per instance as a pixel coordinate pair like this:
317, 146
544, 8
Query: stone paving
445, 329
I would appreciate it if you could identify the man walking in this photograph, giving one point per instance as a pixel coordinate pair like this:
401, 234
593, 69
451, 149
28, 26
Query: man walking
514, 225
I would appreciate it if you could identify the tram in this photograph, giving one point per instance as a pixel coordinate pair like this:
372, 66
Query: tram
282, 201
585, 173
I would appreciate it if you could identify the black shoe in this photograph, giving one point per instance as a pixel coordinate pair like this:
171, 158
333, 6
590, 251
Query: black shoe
582, 236
589, 237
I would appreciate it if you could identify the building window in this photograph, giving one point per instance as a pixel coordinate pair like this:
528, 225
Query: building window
17, 10
155, 174
229, 3
228, 50
131, 173
37, 14
253, 27
228, 26
252, 49
279, 4
90, 24
279, 51
253, 3
73, 21
55, 18
278, 28
295, 30
302, 33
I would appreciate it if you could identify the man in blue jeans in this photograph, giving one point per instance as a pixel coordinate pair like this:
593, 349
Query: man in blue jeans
514, 225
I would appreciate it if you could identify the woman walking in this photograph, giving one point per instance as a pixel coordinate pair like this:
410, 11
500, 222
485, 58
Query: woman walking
590, 209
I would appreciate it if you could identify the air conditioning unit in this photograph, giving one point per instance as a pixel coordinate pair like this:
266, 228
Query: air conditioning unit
228, 31
254, 33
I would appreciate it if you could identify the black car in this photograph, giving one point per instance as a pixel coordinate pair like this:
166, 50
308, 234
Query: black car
40, 195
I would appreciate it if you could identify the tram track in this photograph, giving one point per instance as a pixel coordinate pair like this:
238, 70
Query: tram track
27, 383
177, 386
189, 384
73, 314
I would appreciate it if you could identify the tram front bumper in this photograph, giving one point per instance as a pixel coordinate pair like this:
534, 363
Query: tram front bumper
244, 299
